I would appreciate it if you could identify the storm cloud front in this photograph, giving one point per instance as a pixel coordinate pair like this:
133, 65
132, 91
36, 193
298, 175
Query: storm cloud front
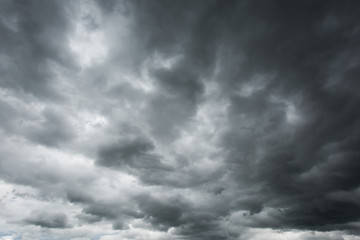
179, 120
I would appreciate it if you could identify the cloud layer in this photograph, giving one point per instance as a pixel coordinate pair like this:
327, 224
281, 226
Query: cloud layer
179, 120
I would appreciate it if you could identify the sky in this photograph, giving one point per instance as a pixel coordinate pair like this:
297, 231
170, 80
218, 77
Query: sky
179, 120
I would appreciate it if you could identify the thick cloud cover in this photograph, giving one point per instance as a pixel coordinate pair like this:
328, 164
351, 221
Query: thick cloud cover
179, 119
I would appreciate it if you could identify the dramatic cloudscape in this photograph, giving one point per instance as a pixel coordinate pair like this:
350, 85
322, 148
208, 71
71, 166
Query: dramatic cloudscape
179, 120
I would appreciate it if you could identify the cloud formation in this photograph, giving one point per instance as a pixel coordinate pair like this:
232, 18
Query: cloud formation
179, 119
46, 220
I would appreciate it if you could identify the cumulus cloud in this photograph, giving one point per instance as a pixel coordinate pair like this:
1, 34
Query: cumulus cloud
179, 119
46, 220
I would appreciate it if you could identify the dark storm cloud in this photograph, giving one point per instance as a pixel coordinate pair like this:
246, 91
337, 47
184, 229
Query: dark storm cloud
136, 156
34, 34
163, 214
179, 93
48, 220
133, 152
88, 218
279, 151
118, 215
191, 223
107, 6
295, 48
52, 131
7, 114
105, 210
124, 152
49, 127
181, 30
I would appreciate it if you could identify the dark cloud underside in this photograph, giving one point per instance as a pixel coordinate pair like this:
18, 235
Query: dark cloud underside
180, 119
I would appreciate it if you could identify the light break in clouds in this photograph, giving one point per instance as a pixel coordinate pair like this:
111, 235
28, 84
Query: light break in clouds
175, 120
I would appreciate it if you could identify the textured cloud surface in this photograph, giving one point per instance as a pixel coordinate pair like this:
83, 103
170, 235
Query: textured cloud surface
175, 120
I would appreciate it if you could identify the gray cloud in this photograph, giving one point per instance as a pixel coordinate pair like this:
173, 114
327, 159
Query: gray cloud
291, 152
48, 220
40, 28
134, 153
52, 131
181, 119
176, 101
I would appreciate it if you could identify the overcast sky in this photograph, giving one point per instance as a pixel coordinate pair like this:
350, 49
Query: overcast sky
179, 120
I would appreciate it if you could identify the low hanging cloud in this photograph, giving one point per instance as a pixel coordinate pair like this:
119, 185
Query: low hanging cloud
46, 220
179, 119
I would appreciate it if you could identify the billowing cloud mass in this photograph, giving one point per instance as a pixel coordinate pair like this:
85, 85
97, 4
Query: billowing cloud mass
176, 120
